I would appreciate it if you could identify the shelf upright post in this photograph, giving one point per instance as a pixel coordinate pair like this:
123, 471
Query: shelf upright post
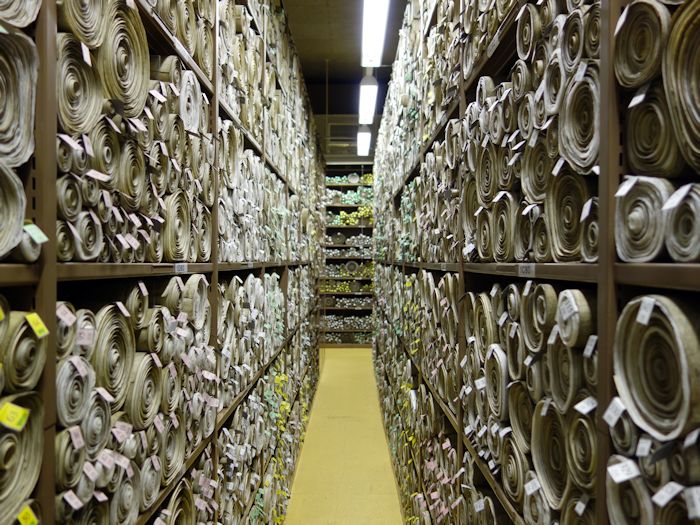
43, 205
610, 171
214, 292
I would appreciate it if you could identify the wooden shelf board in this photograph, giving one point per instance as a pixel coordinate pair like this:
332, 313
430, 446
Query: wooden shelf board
343, 258
676, 276
349, 206
19, 274
346, 186
327, 278
363, 294
557, 271
346, 345
337, 309
346, 331
346, 227
92, 271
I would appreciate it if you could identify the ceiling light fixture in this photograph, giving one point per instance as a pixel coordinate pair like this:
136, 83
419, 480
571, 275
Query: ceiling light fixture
374, 19
364, 139
368, 99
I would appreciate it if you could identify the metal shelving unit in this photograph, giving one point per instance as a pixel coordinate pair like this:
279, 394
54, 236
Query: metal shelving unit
42, 279
609, 277
349, 336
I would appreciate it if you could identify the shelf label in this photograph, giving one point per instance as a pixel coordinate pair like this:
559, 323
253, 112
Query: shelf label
526, 270
180, 268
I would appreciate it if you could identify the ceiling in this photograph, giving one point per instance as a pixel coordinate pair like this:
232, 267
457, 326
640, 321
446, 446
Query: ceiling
332, 30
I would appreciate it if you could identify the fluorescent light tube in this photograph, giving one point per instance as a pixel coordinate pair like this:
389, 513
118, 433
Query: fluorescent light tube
368, 99
374, 19
364, 139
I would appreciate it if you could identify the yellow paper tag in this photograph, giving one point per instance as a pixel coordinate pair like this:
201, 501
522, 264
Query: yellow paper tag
13, 417
37, 325
2, 314
27, 517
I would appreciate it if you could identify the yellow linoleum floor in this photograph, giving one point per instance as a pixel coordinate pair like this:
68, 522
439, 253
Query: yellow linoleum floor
344, 475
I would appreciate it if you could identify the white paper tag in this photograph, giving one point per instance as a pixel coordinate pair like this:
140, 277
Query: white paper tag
545, 407
639, 96
104, 394
76, 437
643, 447
666, 493
587, 208
85, 336
691, 439
581, 505
586, 406
532, 486
590, 346
558, 166
73, 500
568, 309
613, 412
623, 471
90, 471
79, 366
480, 383
35, 233
692, 501
677, 197
621, 20
67, 317
626, 186
180, 268
645, 310
580, 72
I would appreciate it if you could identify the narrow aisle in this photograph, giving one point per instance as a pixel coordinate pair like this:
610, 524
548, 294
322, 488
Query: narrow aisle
344, 475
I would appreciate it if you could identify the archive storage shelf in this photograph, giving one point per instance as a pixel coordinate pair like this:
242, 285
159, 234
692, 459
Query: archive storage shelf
612, 281
348, 191
35, 287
